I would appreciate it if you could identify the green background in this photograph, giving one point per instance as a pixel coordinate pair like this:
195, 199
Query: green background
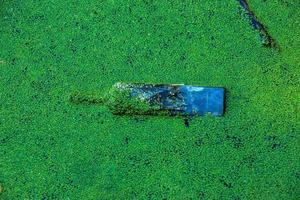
51, 149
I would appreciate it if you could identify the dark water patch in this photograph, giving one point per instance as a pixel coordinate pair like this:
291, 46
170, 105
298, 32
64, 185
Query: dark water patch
199, 142
186, 122
235, 141
226, 183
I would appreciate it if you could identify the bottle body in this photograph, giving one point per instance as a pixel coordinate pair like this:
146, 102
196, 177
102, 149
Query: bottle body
163, 99
130, 99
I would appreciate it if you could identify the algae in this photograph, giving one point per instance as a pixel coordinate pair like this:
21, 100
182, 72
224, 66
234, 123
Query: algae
51, 149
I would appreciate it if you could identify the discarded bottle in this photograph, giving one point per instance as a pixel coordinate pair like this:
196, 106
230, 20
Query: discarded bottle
158, 99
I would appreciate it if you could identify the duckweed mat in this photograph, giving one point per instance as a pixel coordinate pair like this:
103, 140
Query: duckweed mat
52, 149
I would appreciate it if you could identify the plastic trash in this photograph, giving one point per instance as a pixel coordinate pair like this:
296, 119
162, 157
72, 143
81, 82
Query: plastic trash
159, 99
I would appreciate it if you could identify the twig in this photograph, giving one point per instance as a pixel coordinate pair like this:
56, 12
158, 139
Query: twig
267, 40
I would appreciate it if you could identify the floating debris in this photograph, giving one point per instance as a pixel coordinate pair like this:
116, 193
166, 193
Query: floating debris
159, 99
266, 38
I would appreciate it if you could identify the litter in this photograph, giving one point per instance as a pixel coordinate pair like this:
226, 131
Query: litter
161, 99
